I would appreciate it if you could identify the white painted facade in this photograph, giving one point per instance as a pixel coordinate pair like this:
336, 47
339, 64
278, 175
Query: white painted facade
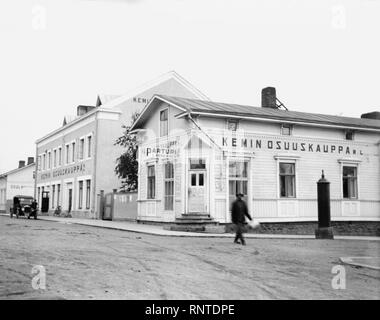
261, 144
19, 181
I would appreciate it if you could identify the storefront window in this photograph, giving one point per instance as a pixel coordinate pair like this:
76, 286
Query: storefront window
80, 198
238, 179
58, 194
169, 186
350, 183
53, 197
88, 193
164, 123
151, 182
287, 180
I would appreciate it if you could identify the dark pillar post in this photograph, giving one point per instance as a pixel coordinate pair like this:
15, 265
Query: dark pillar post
324, 230
101, 205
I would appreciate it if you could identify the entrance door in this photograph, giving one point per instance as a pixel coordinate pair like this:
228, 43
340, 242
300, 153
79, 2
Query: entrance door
69, 197
197, 186
70, 204
45, 201
197, 191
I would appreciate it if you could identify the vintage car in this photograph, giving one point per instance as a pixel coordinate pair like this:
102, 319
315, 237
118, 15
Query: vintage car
24, 206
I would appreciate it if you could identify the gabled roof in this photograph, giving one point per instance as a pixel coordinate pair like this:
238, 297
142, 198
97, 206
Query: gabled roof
218, 109
102, 99
146, 86
5, 174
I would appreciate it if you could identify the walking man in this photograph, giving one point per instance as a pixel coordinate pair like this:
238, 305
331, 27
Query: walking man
239, 211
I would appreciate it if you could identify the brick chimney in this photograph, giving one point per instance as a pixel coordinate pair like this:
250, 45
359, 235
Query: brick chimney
268, 98
371, 115
81, 110
21, 164
30, 160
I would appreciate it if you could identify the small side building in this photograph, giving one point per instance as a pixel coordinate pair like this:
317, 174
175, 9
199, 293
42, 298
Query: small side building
19, 181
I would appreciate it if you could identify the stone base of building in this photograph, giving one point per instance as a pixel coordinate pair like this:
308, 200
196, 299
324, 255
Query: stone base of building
344, 228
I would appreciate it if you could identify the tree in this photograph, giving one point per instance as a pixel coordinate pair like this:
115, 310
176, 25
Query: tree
127, 165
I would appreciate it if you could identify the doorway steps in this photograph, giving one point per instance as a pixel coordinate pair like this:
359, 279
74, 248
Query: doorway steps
193, 222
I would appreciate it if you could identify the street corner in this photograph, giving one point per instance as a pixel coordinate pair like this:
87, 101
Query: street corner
363, 262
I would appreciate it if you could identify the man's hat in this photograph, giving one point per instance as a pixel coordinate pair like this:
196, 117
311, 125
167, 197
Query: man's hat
240, 195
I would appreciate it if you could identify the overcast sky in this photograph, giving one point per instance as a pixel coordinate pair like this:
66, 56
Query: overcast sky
322, 56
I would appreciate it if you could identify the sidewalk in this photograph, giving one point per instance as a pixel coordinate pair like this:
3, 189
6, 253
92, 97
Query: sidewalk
160, 231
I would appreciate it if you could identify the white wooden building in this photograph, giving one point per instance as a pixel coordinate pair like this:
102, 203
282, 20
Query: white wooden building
195, 155
18, 181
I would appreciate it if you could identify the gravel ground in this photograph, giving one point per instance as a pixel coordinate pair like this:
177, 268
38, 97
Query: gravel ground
85, 262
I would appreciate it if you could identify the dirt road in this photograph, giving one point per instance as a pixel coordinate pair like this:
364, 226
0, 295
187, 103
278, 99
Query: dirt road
92, 263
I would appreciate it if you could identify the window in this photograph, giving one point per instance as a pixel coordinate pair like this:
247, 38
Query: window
151, 182
44, 162
60, 156
238, 178
232, 125
197, 164
73, 152
88, 193
67, 153
81, 149
38, 194
193, 179
169, 186
349, 135
89, 146
287, 180
286, 129
58, 194
80, 196
39, 163
201, 179
53, 197
350, 182
49, 160
54, 158
164, 123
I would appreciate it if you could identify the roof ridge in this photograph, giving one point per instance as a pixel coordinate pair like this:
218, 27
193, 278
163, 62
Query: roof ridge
276, 110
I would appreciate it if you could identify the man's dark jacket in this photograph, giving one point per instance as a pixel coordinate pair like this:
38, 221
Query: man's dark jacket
239, 211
